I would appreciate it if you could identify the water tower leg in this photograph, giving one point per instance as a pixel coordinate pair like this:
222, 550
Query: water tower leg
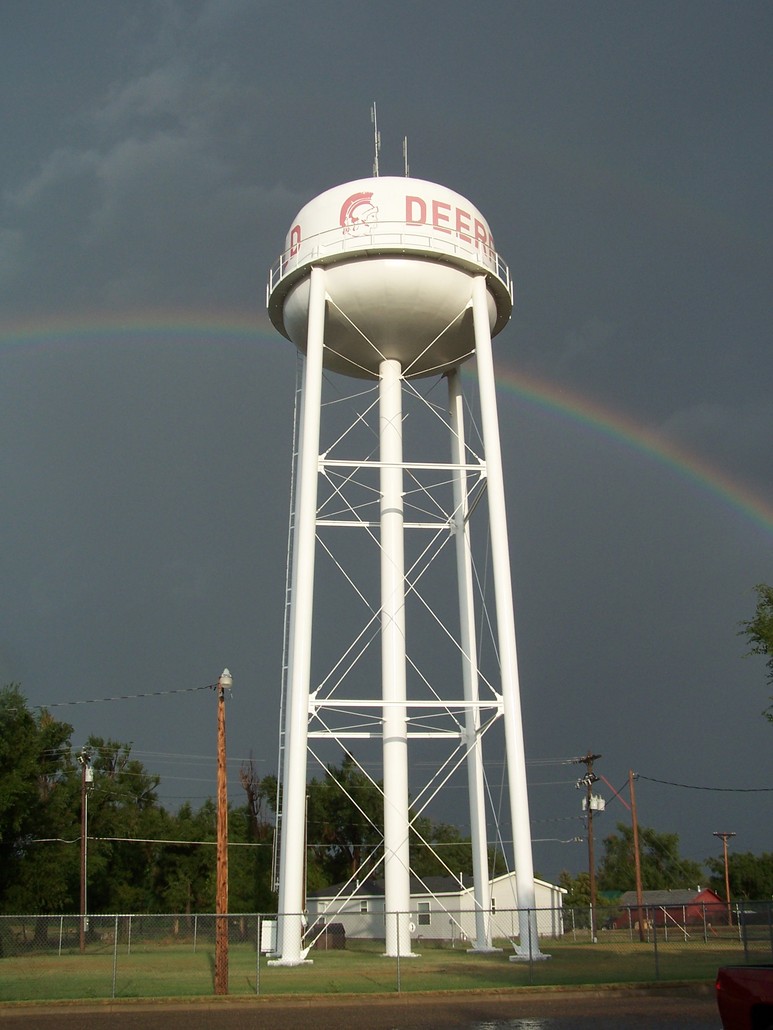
397, 888
468, 640
503, 592
293, 844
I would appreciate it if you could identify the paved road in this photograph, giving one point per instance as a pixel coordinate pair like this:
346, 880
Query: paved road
676, 1009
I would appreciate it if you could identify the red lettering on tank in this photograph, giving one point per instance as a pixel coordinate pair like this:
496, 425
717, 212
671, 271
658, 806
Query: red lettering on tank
441, 212
481, 236
413, 205
463, 225
295, 240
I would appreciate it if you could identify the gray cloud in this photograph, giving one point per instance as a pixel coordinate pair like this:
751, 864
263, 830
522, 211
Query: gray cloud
153, 160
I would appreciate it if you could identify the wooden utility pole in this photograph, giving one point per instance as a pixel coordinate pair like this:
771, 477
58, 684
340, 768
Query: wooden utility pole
221, 899
87, 777
587, 781
636, 855
725, 837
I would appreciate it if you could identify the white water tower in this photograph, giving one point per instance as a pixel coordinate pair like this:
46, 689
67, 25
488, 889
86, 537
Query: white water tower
392, 281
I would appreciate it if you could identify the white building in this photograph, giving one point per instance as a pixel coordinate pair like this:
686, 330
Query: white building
442, 908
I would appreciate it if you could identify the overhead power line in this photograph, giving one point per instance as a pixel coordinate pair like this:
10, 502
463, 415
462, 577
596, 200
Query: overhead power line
149, 840
723, 790
127, 697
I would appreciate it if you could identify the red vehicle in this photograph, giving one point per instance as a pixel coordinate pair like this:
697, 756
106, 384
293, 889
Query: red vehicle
745, 997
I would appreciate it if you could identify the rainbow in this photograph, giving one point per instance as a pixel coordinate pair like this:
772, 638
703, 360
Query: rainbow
597, 418
214, 328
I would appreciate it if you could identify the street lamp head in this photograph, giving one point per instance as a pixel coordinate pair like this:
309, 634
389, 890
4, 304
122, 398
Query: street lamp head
226, 680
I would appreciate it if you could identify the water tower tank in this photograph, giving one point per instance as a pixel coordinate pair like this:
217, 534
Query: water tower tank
400, 255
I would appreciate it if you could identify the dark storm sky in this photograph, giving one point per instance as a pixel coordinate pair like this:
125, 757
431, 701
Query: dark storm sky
154, 156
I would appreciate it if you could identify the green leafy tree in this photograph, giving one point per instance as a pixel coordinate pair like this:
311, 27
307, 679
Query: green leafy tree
439, 849
662, 867
577, 889
751, 876
759, 633
249, 868
345, 823
38, 809
184, 872
125, 821
577, 900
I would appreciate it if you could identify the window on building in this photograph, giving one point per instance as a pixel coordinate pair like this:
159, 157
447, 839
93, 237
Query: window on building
493, 905
424, 916
363, 905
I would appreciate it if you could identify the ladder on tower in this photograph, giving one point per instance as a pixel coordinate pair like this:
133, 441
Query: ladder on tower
277, 848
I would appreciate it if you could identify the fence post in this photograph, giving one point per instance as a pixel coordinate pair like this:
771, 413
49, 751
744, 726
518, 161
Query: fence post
257, 959
655, 943
397, 930
115, 954
743, 932
195, 932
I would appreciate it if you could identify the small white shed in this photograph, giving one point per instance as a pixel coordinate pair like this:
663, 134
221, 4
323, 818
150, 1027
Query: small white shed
442, 908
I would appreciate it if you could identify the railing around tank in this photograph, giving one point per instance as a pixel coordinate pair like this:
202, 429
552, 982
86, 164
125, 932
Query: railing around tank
384, 238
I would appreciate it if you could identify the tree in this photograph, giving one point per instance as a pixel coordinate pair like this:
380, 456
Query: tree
38, 809
184, 873
260, 798
751, 876
439, 849
131, 867
759, 633
662, 867
124, 813
249, 868
577, 889
345, 823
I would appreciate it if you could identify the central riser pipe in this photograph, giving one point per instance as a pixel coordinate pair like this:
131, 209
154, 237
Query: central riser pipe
397, 890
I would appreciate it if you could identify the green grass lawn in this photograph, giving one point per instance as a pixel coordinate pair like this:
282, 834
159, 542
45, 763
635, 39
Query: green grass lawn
151, 969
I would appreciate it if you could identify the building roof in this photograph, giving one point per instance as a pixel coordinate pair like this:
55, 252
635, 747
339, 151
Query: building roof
668, 898
373, 886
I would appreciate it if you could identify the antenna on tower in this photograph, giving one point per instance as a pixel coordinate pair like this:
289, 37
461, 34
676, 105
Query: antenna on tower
405, 155
376, 138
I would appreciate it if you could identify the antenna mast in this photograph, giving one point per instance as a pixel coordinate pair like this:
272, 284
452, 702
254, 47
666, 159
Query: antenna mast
376, 139
405, 155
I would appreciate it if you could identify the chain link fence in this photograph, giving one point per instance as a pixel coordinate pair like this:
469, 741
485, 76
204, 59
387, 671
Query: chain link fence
64, 957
